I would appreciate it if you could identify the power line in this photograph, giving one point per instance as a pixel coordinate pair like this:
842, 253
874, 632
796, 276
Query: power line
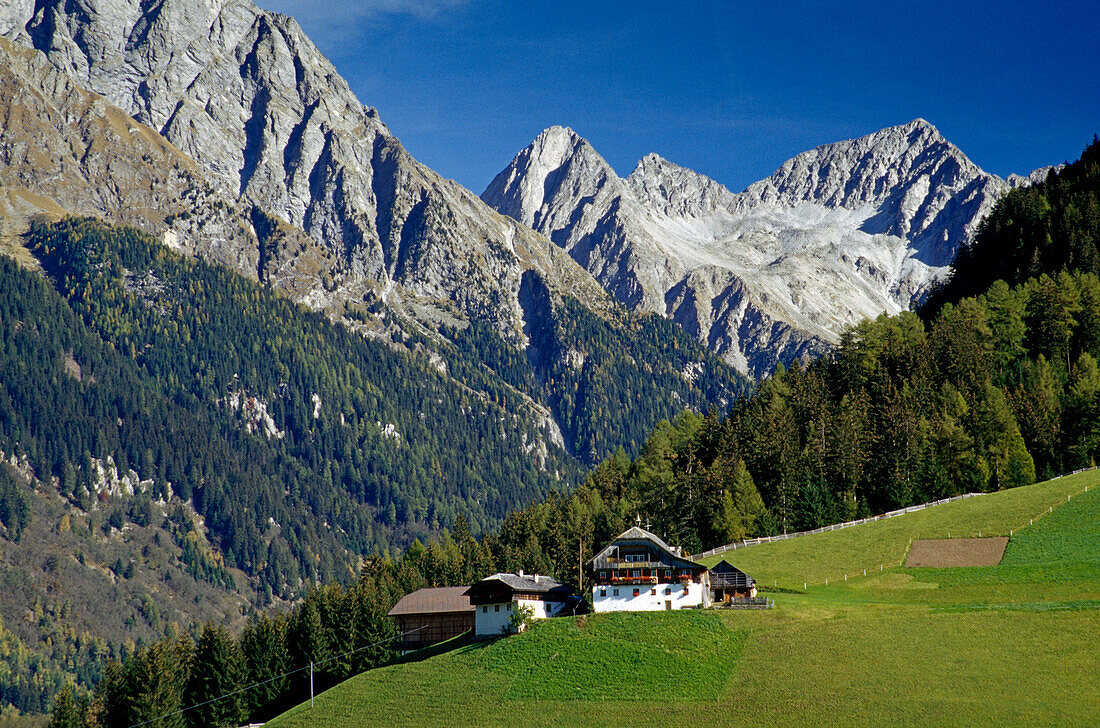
310, 667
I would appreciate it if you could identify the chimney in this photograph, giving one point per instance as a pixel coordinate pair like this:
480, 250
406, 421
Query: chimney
521, 572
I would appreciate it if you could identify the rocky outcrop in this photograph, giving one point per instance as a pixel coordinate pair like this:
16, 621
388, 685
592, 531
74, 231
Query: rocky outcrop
777, 272
244, 93
64, 150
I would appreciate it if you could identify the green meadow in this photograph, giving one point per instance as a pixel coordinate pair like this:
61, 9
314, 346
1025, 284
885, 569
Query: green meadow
1004, 645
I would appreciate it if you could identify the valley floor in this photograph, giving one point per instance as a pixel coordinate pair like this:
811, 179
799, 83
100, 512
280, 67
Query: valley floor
1012, 644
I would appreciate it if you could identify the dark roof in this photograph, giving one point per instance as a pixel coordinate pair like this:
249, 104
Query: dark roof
636, 534
526, 584
433, 601
724, 566
724, 573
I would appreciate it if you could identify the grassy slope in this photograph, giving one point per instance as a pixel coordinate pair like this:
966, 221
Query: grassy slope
847, 551
1005, 645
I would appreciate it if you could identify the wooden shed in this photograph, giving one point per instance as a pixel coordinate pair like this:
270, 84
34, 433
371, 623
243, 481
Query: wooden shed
727, 582
431, 616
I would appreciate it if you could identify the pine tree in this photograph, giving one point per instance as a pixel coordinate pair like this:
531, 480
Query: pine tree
216, 673
147, 688
70, 711
740, 508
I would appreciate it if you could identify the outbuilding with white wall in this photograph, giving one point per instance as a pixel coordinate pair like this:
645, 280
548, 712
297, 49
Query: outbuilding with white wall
498, 597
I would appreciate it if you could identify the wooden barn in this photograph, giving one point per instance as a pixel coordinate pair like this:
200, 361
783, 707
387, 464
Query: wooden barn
727, 583
431, 616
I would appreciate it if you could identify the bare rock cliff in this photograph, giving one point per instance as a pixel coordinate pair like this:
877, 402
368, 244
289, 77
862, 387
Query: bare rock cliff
247, 95
839, 233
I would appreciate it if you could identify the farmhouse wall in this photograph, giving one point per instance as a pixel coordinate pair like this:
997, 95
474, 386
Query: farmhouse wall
492, 620
683, 596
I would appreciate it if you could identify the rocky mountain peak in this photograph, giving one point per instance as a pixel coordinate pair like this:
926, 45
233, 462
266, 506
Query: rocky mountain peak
841, 232
867, 170
248, 96
674, 190
558, 167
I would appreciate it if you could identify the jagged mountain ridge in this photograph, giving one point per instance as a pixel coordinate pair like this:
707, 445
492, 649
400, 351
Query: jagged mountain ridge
385, 236
775, 273
247, 95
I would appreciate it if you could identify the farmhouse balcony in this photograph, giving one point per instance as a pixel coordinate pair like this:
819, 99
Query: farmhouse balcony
632, 580
611, 562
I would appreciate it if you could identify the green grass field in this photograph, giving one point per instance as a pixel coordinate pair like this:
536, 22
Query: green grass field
1013, 644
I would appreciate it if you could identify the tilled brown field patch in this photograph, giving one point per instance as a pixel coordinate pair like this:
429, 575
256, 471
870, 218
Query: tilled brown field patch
945, 552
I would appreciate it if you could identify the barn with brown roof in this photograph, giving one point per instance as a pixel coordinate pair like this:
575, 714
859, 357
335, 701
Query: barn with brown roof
429, 616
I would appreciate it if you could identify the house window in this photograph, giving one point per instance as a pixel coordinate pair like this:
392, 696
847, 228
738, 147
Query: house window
637, 592
509, 607
614, 592
496, 607
668, 573
603, 592
484, 610
668, 590
637, 573
653, 592
603, 575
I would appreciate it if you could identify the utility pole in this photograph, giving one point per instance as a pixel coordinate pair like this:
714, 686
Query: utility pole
580, 563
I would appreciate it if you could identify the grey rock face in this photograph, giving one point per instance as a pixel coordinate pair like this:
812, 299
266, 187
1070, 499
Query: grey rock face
777, 272
246, 94
921, 187
66, 150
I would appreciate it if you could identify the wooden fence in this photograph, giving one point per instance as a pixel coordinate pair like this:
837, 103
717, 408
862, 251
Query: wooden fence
833, 527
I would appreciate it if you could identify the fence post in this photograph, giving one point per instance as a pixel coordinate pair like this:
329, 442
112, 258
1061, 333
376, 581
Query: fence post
311, 684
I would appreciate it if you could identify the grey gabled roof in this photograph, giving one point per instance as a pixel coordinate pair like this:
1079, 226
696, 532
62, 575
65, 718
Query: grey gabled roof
527, 584
637, 533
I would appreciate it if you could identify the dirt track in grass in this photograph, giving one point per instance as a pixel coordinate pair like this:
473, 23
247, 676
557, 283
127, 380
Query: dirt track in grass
943, 552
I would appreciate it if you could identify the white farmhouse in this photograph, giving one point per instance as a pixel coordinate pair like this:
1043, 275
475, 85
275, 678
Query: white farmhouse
496, 598
638, 572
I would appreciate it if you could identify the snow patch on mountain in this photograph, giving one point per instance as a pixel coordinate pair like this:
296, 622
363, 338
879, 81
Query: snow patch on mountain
840, 233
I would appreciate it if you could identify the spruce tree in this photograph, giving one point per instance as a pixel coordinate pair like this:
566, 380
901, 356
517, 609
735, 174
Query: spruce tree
216, 673
265, 656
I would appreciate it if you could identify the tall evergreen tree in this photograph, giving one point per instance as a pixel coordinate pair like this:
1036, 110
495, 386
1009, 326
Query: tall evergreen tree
216, 675
265, 657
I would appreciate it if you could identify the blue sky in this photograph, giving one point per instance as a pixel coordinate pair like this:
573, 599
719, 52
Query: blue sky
730, 89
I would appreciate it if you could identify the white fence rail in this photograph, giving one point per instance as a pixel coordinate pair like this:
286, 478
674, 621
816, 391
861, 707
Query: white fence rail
834, 527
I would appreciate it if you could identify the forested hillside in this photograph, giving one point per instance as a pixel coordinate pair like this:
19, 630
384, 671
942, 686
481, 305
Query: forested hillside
1043, 228
268, 418
146, 390
995, 391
